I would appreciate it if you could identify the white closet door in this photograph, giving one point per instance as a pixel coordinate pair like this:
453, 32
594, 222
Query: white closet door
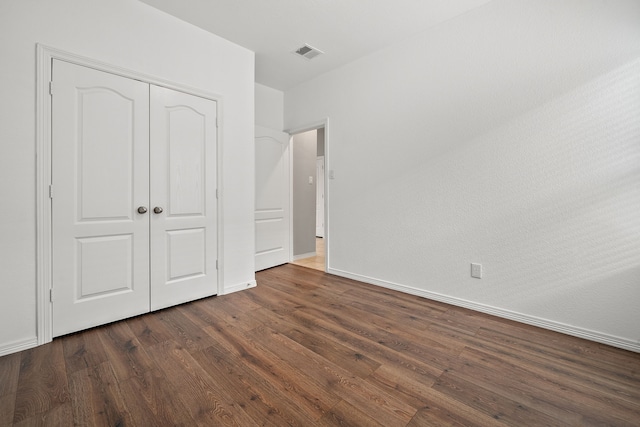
183, 198
100, 177
272, 219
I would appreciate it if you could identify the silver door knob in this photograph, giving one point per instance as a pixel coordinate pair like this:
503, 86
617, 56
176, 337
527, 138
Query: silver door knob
142, 210
157, 209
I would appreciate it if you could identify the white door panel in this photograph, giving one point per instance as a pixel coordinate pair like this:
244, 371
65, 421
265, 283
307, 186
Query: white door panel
183, 185
272, 218
100, 173
110, 260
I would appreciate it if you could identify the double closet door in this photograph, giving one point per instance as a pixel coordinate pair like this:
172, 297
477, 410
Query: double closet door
133, 197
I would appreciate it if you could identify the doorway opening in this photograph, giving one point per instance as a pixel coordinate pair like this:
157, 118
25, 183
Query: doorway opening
308, 199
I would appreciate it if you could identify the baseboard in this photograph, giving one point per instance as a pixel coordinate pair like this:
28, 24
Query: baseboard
599, 337
16, 346
239, 287
301, 256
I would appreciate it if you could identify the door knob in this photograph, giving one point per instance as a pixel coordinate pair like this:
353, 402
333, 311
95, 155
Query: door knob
157, 209
142, 210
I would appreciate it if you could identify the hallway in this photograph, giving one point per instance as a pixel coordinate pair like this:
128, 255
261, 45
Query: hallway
317, 262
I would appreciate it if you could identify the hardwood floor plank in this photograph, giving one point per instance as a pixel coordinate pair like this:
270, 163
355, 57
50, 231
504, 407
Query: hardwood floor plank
266, 298
199, 392
364, 345
463, 320
345, 415
305, 391
437, 355
59, 416
408, 306
211, 312
452, 414
498, 381
124, 351
9, 372
574, 351
501, 408
96, 398
42, 384
7, 405
356, 363
402, 383
390, 410
263, 402
184, 331
149, 329
535, 389
83, 350
324, 346
614, 384
153, 393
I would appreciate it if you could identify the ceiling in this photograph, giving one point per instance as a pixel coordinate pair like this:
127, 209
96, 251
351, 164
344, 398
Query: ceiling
343, 29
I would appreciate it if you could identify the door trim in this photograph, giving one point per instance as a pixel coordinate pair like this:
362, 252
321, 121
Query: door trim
324, 123
44, 60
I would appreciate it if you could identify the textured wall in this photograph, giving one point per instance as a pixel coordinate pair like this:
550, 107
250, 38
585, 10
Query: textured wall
269, 107
508, 136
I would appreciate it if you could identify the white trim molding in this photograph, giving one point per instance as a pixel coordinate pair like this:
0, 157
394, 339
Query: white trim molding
599, 337
239, 287
302, 256
16, 346
324, 123
44, 61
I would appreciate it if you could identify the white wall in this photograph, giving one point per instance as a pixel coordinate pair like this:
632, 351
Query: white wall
304, 193
508, 136
135, 36
269, 107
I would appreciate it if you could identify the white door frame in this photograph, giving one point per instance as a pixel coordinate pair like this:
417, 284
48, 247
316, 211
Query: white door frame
320, 159
45, 57
324, 123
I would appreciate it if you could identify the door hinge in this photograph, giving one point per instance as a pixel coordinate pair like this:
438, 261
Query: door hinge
217, 122
51, 88
51, 191
216, 193
51, 295
216, 264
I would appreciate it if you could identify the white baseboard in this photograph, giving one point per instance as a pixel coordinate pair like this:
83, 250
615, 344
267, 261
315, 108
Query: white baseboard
307, 255
239, 287
611, 340
15, 346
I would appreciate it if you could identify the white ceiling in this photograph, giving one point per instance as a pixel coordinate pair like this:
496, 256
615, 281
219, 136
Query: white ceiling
343, 29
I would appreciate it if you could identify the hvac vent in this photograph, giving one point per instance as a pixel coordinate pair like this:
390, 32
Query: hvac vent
308, 52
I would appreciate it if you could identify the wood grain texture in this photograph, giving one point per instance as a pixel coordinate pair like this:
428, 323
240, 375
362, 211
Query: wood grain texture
305, 348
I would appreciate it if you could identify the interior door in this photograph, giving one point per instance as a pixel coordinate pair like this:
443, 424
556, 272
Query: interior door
320, 196
100, 178
183, 197
272, 218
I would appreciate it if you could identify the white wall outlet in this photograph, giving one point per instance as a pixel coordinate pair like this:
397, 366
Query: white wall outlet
476, 270
310, 180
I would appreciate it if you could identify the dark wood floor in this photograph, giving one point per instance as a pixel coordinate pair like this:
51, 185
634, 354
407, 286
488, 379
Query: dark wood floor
306, 348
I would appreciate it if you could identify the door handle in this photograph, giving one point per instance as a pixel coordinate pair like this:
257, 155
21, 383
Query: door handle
157, 209
142, 210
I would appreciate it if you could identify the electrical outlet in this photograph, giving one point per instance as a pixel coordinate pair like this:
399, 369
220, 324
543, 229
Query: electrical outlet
476, 270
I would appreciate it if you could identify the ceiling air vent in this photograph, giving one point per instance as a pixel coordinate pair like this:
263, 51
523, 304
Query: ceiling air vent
308, 52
